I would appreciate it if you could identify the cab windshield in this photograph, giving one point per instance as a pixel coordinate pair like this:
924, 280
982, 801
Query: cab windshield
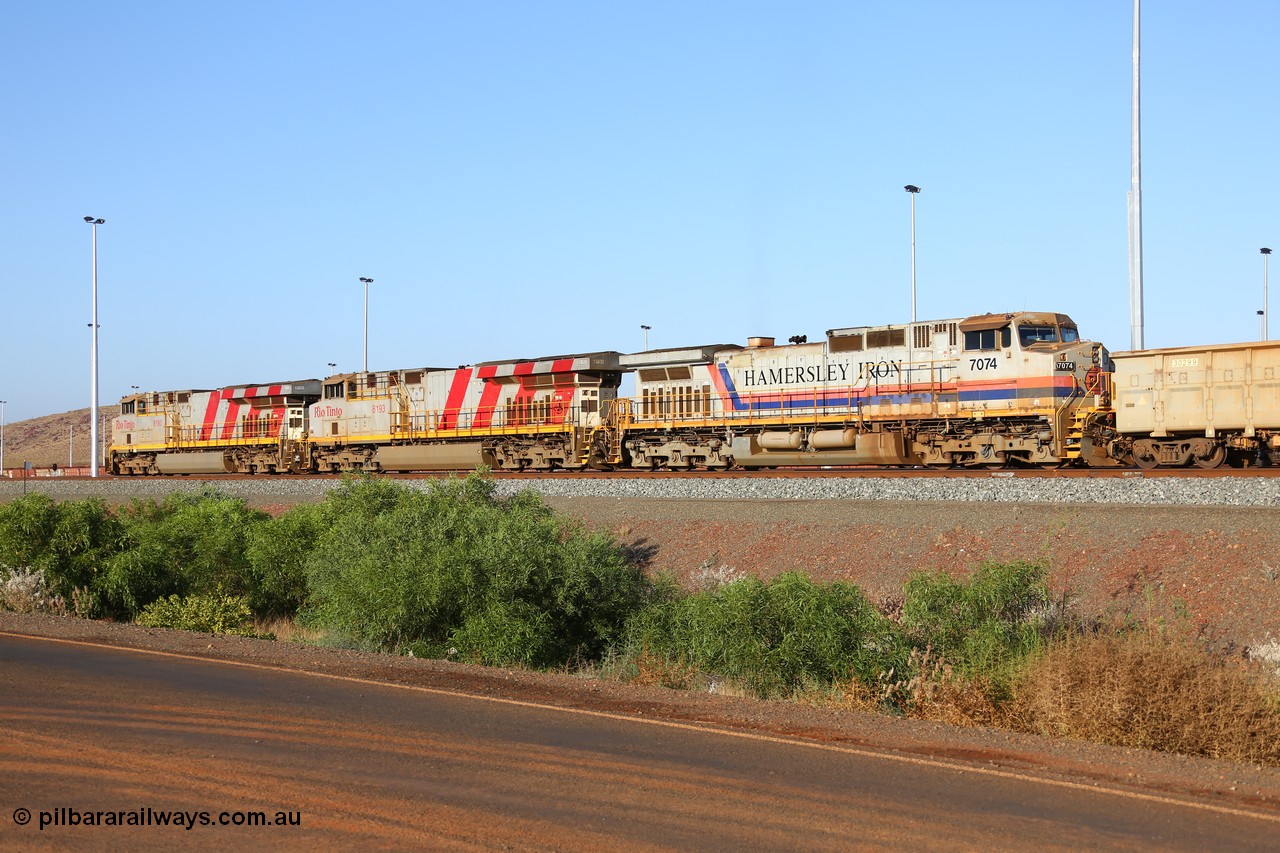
1028, 335
1070, 334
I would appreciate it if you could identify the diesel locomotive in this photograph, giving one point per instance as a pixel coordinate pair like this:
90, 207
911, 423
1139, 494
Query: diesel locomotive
991, 390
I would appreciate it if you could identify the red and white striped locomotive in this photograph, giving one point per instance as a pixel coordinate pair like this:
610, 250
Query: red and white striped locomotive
535, 414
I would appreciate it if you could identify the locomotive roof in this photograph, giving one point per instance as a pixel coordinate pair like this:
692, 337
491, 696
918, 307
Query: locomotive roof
602, 360
289, 388
703, 354
973, 323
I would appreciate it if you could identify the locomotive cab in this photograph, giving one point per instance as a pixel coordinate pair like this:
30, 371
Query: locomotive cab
1023, 345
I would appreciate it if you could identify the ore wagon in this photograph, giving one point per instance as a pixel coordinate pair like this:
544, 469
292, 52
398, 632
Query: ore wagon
1203, 406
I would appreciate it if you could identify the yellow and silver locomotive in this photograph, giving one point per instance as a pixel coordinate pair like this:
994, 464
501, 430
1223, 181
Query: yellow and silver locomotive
988, 390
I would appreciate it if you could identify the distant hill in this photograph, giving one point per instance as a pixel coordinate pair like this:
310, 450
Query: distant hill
60, 438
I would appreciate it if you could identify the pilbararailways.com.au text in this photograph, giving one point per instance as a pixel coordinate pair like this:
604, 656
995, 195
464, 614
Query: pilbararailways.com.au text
142, 817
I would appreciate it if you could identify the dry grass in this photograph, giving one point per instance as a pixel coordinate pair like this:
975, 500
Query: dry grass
24, 590
1147, 690
933, 691
654, 669
286, 630
1140, 689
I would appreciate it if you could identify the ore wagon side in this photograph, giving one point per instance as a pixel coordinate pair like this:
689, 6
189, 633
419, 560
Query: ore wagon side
1205, 405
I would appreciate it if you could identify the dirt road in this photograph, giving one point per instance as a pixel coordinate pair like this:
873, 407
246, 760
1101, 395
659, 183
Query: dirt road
368, 750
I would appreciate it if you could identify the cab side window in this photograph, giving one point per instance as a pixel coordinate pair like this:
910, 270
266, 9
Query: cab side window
987, 339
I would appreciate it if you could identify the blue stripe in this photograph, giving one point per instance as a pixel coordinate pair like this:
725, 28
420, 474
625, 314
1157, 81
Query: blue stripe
986, 395
728, 385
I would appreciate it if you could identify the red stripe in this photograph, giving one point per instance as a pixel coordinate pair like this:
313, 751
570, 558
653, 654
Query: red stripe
524, 391
561, 365
488, 399
233, 410
1057, 381
457, 393
210, 412
488, 396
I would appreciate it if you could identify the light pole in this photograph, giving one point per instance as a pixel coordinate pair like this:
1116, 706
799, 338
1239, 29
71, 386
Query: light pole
913, 190
1266, 255
2, 402
93, 359
333, 367
367, 282
646, 336
1136, 322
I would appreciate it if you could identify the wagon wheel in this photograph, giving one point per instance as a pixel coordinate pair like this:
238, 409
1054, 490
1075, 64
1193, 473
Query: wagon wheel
1217, 455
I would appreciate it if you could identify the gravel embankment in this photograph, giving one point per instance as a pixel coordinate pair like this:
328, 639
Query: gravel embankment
1135, 490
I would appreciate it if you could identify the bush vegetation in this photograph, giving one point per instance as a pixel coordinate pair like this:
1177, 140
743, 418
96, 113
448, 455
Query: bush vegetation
772, 638
984, 627
455, 571
26, 591
211, 613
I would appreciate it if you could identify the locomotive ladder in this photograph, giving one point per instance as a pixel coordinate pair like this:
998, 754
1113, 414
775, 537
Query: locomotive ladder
1075, 432
615, 417
402, 427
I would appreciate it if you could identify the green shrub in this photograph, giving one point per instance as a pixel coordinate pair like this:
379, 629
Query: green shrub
26, 529
984, 627
276, 553
771, 637
70, 543
191, 543
211, 613
500, 581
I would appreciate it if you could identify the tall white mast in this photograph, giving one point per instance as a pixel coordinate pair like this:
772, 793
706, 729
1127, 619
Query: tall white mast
1135, 201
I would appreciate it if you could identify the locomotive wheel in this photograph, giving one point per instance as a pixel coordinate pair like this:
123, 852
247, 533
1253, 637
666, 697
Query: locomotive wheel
1216, 457
991, 459
940, 460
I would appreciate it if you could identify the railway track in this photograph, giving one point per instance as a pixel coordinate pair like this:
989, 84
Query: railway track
780, 474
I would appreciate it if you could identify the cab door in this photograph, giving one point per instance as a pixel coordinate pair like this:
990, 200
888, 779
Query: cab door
296, 427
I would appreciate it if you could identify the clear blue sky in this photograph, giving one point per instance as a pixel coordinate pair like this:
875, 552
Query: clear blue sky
533, 178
